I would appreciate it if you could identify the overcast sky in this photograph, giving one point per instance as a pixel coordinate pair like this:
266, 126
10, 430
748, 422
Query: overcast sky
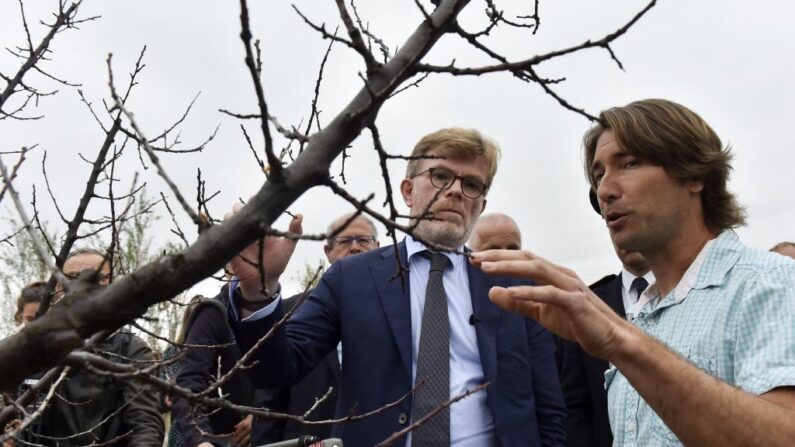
730, 61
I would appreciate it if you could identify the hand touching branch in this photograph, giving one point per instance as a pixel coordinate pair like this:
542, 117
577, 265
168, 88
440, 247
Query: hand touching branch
259, 266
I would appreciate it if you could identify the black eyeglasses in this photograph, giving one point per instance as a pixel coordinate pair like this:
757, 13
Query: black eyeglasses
444, 178
363, 241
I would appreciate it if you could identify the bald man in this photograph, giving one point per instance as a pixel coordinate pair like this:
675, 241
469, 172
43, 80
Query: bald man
784, 248
495, 231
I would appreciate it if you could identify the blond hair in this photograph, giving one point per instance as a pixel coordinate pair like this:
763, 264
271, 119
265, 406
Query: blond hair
456, 142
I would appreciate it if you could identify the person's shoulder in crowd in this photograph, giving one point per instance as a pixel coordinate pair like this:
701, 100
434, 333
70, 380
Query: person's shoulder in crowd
603, 282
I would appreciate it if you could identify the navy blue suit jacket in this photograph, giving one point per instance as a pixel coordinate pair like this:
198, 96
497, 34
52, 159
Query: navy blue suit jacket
359, 302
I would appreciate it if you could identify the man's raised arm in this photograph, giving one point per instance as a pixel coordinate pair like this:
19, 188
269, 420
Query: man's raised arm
698, 408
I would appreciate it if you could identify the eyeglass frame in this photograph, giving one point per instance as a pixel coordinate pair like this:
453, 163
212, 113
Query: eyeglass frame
462, 178
347, 241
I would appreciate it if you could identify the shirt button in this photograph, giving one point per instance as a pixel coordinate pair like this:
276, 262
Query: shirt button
403, 418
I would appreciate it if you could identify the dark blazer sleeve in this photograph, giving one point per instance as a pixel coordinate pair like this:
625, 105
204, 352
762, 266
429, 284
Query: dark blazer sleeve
142, 414
577, 394
295, 348
550, 409
195, 372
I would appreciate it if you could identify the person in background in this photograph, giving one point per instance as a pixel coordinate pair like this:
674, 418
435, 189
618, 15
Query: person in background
211, 353
785, 248
28, 303
91, 408
582, 376
352, 235
495, 231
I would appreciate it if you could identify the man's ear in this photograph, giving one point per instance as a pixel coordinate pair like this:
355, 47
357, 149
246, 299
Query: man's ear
483, 206
326, 249
406, 187
695, 186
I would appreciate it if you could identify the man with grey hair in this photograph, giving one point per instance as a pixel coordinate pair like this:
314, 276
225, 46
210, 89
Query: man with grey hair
495, 231
352, 234
358, 234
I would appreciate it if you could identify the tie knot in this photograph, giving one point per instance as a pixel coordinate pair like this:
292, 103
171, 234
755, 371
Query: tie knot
639, 284
439, 262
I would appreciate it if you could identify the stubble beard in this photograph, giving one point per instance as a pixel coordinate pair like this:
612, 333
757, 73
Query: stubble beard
443, 234
651, 237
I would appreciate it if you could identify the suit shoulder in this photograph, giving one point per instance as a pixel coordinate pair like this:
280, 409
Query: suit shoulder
365, 258
602, 282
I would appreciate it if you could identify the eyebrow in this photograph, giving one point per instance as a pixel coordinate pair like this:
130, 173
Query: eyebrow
620, 154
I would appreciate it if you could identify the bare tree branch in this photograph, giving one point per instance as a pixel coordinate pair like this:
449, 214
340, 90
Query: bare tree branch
254, 70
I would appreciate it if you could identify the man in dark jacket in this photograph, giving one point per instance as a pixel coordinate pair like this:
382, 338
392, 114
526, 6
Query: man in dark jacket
93, 409
582, 376
352, 236
211, 352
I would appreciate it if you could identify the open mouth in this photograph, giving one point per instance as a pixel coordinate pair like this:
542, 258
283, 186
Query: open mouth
615, 219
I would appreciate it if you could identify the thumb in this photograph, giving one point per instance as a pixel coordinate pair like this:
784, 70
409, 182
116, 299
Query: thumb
295, 224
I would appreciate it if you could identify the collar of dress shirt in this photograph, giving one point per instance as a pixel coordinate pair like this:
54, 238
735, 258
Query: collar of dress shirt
414, 247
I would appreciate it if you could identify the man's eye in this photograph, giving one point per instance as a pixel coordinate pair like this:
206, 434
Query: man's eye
442, 176
631, 163
473, 184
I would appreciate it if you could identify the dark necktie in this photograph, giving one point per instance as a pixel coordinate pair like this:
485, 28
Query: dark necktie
639, 284
433, 361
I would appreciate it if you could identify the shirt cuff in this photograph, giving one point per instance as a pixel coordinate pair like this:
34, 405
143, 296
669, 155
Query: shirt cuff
265, 311
234, 289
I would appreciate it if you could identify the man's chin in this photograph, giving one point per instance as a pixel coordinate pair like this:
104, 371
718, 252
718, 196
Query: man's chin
442, 234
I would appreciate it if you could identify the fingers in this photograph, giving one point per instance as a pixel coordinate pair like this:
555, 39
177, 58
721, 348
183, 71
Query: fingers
503, 297
295, 224
543, 272
236, 207
501, 255
537, 294
478, 258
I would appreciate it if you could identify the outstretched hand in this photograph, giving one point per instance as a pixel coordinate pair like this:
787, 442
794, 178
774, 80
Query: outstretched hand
269, 255
560, 302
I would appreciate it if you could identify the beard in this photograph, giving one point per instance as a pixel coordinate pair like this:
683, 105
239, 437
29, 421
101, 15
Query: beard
443, 234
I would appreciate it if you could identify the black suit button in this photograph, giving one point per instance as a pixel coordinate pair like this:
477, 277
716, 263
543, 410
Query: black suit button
403, 418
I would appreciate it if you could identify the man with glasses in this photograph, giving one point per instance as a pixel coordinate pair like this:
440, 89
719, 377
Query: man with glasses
357, 235
415, 322
352, 235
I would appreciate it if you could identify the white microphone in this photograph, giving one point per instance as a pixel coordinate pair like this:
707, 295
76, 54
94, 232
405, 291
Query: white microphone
307, 441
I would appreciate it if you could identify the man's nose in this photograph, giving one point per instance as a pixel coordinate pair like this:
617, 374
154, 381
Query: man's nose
608, 189
456, 188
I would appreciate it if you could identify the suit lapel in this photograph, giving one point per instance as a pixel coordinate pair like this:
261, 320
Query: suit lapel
394, 296
487, 317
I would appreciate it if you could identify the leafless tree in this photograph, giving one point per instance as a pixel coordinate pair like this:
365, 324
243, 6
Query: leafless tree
58, 336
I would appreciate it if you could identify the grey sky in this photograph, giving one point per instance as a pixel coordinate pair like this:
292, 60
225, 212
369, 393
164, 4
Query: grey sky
728, 60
